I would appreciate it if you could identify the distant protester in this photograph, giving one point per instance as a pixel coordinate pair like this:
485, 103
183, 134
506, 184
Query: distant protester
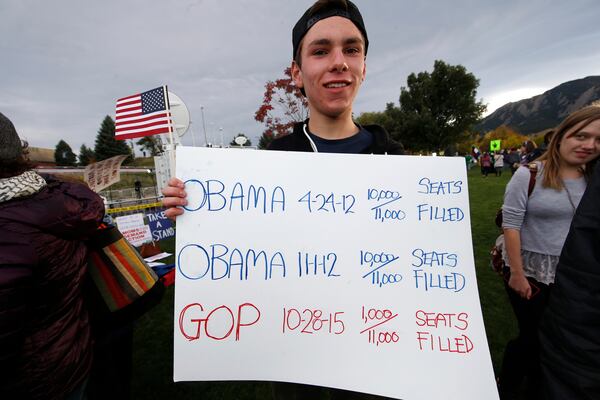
535, 228
486, 164
513, 160
498, 163
546, 142
475, 153
529, 152
45, 337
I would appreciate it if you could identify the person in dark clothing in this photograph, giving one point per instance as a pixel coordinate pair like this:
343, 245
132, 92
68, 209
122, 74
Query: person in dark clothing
45, 335
513, 160
547, 138
330, 45
569, 332
137, 185
529, 152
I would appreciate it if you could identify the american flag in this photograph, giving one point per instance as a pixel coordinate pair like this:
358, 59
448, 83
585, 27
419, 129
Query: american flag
143, 114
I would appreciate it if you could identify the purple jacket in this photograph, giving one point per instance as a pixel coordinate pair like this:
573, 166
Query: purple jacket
45, 340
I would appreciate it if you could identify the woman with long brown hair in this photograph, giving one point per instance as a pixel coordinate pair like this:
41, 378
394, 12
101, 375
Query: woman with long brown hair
535, 227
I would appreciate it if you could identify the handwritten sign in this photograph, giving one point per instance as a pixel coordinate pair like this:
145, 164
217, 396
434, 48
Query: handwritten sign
104, 173
160, 226
133, 229
348, 271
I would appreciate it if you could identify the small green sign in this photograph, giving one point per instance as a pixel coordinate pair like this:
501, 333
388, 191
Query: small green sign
495, 145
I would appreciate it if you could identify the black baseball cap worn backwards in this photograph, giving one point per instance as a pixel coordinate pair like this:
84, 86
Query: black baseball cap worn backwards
330, 9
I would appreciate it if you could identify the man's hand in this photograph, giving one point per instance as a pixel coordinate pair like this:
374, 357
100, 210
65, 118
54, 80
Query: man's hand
174, 198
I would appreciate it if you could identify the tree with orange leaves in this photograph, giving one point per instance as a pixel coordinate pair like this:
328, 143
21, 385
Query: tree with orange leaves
282, 106
510, 138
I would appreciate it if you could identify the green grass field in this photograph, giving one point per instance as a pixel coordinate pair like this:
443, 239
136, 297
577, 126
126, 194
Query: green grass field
153, 341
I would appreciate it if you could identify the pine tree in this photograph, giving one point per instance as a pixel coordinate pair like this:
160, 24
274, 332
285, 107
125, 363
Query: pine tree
265, 140
106, 145
86, 155
248, 142
63, 154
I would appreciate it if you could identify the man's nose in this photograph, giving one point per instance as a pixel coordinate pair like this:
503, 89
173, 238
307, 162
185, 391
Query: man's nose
339, 61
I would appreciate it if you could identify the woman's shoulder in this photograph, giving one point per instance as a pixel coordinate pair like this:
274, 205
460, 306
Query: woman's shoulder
536, 167
521, 178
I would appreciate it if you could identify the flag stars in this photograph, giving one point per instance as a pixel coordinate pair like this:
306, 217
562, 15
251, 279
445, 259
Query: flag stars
153, 100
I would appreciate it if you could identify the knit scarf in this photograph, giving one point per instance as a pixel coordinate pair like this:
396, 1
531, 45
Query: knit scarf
26, 184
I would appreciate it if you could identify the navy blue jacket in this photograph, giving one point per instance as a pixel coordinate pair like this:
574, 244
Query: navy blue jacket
297, 141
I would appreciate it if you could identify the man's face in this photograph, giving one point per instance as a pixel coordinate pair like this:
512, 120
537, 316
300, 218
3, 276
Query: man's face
333, 66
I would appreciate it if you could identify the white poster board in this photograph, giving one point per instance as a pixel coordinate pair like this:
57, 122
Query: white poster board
133, 229
162, 171
347, 271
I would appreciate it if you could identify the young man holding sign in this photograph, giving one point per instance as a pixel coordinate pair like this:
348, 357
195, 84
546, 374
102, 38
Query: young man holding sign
329, 49
330, 45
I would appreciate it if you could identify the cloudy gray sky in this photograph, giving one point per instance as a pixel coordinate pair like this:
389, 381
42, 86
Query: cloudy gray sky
65, 62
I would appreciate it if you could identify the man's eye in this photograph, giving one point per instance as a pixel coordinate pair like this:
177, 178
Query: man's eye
352, 50
319, 52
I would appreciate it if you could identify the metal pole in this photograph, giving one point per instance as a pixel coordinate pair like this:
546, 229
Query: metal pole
221, 132
204, 126
193, 136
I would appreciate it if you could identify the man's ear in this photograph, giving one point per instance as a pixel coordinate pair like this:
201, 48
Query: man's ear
297, 75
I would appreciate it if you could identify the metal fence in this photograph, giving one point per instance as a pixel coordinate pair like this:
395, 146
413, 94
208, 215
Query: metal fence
127, 201
129, 194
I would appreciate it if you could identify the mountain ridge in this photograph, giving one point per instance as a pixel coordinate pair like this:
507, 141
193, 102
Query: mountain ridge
545, 110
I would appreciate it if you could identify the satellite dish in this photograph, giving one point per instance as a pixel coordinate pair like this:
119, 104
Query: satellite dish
241, 140
179, 113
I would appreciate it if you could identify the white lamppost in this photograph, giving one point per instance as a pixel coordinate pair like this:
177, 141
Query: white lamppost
211, 133
204, 126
